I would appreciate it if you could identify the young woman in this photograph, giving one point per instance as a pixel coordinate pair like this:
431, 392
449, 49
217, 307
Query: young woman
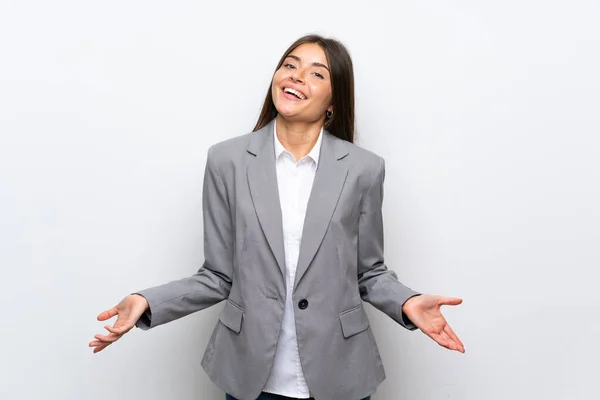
293, 242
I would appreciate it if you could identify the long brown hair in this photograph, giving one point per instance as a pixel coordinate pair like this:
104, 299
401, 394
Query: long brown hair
341, 123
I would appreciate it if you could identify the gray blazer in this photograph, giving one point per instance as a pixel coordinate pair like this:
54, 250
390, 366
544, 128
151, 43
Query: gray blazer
340, 264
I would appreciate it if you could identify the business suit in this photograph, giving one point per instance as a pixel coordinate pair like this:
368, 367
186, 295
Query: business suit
340, 264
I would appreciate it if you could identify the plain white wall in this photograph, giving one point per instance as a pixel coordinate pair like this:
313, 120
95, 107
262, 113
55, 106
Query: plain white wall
486, 113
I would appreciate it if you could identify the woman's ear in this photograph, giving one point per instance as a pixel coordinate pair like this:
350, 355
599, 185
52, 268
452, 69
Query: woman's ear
329, 113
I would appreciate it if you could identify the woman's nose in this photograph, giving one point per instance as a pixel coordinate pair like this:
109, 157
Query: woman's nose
298, 76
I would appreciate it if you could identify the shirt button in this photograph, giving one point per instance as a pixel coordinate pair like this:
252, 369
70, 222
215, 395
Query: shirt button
302, 304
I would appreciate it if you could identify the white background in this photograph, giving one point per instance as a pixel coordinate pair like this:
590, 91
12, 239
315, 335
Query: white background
487, 114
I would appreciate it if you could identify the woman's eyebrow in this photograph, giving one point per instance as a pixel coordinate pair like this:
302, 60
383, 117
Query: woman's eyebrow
316, 64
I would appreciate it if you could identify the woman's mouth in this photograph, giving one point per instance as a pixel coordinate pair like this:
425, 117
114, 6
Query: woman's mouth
293, 93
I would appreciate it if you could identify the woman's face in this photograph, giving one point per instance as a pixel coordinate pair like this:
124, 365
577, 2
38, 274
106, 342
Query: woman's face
302, 85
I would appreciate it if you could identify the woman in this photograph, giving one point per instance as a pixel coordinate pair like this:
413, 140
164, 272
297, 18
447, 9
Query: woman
293, 241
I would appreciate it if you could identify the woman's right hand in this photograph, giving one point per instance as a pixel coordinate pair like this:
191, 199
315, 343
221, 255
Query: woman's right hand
128, 311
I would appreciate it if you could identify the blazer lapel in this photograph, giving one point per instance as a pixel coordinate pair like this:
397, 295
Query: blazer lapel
329, 181
262, 179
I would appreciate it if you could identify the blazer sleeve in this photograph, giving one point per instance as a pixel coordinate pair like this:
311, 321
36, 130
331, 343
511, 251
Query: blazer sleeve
378, 285
212, 283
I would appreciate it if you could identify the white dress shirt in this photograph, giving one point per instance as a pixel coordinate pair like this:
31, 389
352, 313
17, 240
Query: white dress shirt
294, 180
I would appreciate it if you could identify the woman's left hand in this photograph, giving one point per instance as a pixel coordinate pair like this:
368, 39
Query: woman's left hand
424, 311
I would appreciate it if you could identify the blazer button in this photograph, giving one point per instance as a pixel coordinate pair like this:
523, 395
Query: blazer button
302, 304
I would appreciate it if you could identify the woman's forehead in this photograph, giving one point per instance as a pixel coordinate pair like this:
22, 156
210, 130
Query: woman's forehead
309, 53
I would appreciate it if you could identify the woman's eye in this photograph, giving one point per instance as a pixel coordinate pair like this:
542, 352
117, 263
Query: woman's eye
290, 66
318, 75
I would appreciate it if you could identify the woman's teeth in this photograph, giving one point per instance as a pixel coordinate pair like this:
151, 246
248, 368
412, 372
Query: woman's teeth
295, 93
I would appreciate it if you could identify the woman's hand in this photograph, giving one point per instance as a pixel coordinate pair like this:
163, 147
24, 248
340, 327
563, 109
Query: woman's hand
424, 311
128, 311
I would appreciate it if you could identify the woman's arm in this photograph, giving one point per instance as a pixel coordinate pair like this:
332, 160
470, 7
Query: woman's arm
378, 285
212, 283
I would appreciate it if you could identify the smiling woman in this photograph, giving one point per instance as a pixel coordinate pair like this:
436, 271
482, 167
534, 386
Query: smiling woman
322, 67
293, 242
302, 85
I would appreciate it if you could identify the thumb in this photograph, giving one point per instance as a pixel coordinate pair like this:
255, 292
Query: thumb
119, 330
450, 301
108, 314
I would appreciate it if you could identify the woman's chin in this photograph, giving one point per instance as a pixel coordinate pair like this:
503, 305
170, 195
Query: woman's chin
292, 114
289, 113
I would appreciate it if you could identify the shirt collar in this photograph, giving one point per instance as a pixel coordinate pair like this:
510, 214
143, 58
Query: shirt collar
314, 152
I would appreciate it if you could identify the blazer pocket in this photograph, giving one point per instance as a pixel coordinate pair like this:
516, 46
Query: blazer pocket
354, 321
231, 316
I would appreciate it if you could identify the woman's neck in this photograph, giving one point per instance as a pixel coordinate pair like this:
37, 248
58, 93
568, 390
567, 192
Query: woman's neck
298, 137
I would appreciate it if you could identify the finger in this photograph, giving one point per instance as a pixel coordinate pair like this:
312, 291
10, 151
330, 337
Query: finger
451, 343
98, 343
120, 330
447, 340
110, 338
454, 337
103, 316
441, 340
450, 301
100, 348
